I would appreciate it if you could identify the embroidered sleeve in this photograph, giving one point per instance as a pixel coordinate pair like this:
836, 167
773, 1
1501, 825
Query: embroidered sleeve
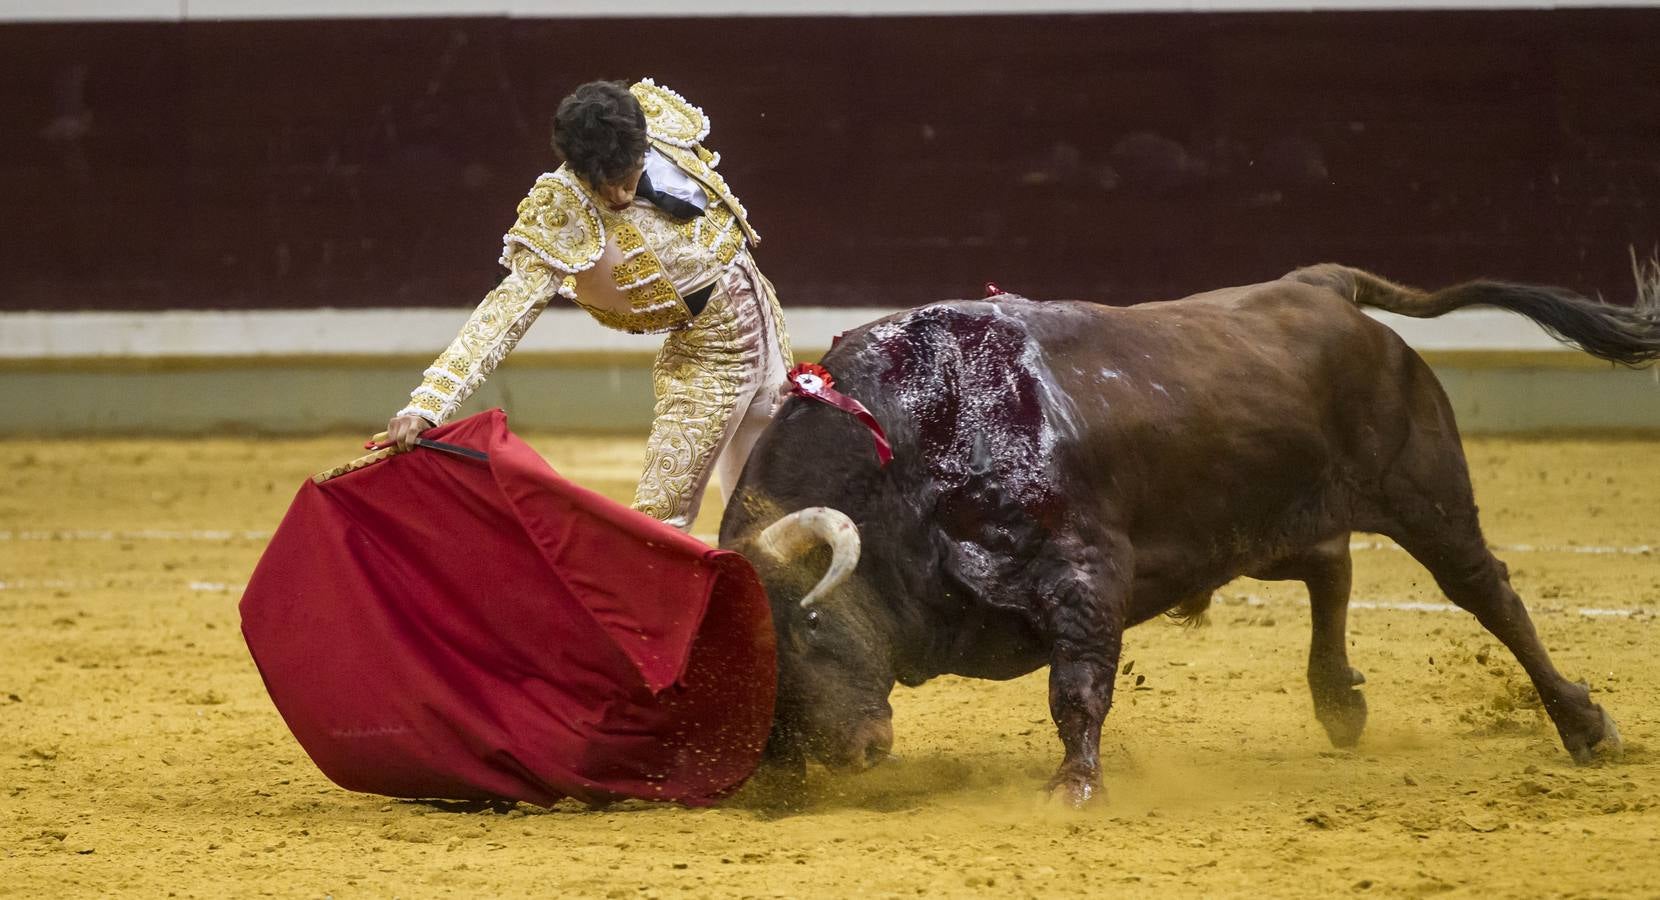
489, 335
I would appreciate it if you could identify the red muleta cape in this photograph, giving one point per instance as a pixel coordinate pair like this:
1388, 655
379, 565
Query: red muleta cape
435, 627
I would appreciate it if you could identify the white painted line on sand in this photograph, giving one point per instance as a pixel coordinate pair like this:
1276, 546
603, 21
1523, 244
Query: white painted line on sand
208, 535
1257, 600
60, 584
225, 535
1250, 600
1637, 550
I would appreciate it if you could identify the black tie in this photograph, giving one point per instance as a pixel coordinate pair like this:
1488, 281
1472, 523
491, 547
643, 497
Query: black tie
668, 203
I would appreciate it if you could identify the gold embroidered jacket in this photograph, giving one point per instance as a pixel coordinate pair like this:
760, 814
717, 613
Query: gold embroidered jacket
561, 231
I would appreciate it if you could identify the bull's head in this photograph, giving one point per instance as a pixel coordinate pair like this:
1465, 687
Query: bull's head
835, 666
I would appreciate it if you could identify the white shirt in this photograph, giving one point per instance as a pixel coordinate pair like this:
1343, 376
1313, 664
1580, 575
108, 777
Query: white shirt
672, 180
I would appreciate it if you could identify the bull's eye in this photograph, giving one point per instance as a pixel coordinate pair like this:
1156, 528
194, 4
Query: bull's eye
812, 619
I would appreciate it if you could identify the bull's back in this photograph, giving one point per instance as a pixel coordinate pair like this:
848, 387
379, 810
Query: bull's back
1277, 334
1231, 412
1220, 395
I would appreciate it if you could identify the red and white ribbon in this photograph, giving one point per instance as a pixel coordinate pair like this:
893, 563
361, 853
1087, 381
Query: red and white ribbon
814, 382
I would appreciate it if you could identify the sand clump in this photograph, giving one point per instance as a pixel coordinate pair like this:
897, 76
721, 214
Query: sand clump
140, 754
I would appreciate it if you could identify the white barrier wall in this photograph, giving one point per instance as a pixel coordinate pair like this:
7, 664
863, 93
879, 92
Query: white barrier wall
305, 371
229, 334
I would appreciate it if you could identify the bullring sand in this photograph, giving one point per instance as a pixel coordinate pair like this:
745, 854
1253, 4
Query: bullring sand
139, 754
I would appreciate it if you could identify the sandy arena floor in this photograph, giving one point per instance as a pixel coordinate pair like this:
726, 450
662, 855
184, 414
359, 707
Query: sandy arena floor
139, 754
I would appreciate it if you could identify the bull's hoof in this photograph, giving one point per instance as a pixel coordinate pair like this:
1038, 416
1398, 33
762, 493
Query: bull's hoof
1075, 791
1341, 708
1607, 747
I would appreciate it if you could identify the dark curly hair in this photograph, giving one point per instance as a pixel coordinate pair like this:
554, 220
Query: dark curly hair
600, 131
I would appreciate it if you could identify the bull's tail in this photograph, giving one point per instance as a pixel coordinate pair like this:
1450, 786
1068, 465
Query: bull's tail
1629, 335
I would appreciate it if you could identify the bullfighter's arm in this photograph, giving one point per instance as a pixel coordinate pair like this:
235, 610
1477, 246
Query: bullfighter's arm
489, 335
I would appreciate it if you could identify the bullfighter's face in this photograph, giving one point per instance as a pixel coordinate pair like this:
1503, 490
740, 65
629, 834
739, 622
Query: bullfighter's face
835, 675
618, 193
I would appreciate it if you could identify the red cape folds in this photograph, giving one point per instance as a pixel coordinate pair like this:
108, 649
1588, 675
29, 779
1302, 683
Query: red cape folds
432, 626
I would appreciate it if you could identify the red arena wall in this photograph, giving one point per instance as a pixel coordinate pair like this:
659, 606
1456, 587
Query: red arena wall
892, 161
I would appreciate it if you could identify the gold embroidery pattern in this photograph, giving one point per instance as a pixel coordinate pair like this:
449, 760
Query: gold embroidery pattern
489, 335
450, 362
697, 379
693, 252
729, 245
777, 311
719, 232
633, 272
664, 310
654, 295
559, 223
629, 239
668, 116
427, 407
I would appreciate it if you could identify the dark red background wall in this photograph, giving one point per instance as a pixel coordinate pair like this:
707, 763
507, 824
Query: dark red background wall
887, 161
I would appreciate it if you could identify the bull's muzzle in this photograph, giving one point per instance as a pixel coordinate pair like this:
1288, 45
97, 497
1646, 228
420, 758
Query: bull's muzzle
870, 745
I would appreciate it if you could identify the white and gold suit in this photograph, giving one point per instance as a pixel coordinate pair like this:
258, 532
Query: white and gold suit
720, 374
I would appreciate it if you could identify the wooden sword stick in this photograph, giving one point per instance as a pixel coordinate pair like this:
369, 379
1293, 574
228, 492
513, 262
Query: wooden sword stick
390, 451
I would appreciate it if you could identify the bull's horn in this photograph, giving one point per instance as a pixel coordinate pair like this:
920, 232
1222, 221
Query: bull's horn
796, 533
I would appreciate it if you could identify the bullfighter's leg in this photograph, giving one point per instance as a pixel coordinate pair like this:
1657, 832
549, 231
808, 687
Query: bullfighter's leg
1339, 703
717, 385
1086, 629
761, 404
687, 434
1429, 498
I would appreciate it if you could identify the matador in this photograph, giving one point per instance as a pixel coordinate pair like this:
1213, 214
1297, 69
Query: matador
637, 227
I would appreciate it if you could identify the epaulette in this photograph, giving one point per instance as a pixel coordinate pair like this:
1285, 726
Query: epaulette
669, 117
559, 223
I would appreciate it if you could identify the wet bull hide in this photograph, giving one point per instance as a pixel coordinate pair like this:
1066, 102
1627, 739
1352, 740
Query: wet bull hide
1065, 470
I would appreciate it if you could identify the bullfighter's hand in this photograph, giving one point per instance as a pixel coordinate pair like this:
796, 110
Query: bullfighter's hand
403, 430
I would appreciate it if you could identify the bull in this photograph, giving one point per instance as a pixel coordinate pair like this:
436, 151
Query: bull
1065, 470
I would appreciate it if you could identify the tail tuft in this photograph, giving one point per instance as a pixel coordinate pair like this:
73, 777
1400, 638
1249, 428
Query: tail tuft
1647, 275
